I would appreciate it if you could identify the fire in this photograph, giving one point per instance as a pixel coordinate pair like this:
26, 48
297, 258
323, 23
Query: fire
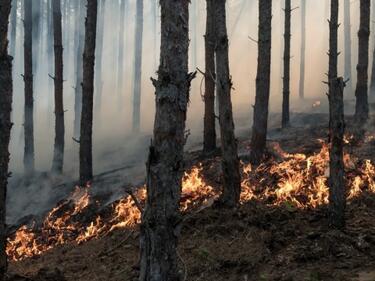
298, 179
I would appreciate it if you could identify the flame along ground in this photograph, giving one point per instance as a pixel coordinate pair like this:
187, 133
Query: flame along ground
299, 181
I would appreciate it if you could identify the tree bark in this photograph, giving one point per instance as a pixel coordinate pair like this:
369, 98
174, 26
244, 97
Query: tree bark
99, 57
29, 99
6, 91
209, 141
230, 162
361, 108
36, 35
161, 218
121, 46
303, 50
58, 154
260, 122
348, 45
79, 70
138, 67
285, 122
85, 148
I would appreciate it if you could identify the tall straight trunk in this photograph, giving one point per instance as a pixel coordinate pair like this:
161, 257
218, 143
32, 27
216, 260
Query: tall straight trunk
348, 45
50, 43
99, 57
6, 91
286, 79
138, 67
361, 107
161, 218
303, 50
79, 73
28, 159
36, 20
336, 126
209, 142
121, 46
13, 30
85, 148
260, 122
58, 153
230, 162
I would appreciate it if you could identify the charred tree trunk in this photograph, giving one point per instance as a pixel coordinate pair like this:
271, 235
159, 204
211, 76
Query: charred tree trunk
13, 31
120, 73
85, 148
286, 79
28, 159
260, 123
138, 67
361, 107
230, 162
209, 142
50, 43
348, 44
6, 91
303, 50
161, 218
36, 19
99, 59
58, 153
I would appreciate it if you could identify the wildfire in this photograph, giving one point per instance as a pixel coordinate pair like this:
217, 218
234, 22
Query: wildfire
298, 179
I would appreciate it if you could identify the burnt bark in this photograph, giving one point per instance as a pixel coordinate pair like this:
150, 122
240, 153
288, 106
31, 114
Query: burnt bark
303, 51
361, 92
58, 153
99, 57
85, 147
121, 46
6, 91
209, 137
230, 162
138, 67
161, 220
260, 122
80, 35
285, 122
348, 45
28, 159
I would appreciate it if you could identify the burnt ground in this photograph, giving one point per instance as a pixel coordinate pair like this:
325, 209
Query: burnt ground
254, 242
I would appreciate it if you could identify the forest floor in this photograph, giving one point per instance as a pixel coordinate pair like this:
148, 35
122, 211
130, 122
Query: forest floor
255, 242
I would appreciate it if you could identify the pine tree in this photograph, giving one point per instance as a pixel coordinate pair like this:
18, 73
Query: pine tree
285, 122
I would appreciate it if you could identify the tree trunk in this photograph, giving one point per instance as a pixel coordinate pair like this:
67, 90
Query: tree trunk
6, 91
161, 218
29, 99
58, 153
121, 46
361, 107
99, 57
230, 162
286, 79
260, 123
13, 30
36, 20
79, 73
348, 45
50, 45
85, 148
303, 50
209, 142
138, 67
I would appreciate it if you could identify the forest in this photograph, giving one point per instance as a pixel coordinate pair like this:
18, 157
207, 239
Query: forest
178, 140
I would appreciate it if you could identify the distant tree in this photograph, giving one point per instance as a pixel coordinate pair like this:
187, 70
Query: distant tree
285, 122
6, 91
209, 140
303, 50
58, 153
161, 218
85, 148
260, 122
121, 46
336, 127
348, 44
230, 162
99, 57
361, 92
13, 30
29, 99
138, 48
